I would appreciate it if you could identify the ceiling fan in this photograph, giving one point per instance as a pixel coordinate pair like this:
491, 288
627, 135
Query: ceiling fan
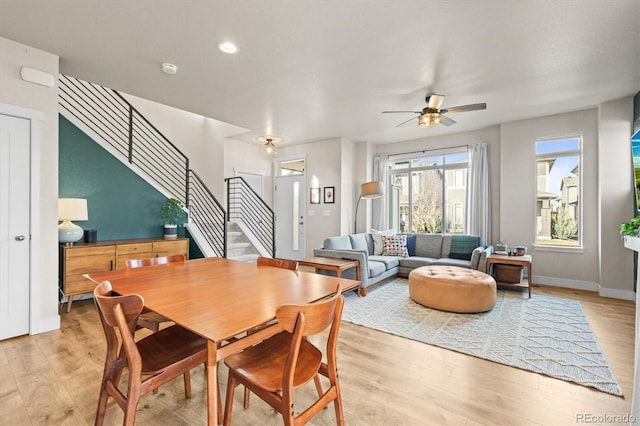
432, 114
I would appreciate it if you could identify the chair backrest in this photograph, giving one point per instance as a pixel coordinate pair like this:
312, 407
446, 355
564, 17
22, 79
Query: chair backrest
137, 263
312, 318
119, 312
278, 263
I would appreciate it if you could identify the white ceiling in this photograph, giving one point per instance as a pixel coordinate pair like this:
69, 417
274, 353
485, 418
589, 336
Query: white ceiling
309, 70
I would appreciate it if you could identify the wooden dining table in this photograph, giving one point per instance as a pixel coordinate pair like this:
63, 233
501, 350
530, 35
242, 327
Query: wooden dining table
220, 300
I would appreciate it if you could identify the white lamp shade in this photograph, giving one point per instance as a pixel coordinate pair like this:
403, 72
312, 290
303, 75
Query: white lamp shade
72, 209
370, 190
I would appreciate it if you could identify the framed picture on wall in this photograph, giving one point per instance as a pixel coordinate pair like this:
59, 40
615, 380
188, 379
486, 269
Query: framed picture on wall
315, 196
329, 194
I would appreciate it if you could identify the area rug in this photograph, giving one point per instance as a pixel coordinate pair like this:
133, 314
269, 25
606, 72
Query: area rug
546, 335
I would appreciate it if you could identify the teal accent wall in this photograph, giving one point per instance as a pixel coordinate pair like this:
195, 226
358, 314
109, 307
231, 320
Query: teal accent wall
121, 205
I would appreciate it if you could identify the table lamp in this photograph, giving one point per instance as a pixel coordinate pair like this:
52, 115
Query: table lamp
71, 209
368, 191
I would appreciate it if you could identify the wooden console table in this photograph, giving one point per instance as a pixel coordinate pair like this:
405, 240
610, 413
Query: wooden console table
525, 261
336, 265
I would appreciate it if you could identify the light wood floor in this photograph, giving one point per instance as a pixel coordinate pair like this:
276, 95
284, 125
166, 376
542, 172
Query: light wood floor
53, 379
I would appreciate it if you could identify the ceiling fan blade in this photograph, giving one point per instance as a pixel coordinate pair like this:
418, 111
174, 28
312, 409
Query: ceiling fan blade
447, 121
435, 101
404, 112
405, 122
465, 108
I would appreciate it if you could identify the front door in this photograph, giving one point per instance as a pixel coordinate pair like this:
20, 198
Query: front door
15, 145
290, 206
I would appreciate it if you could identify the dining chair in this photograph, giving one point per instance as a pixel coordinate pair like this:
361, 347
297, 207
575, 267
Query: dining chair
278, 263
152, 361
275, 367
149, 319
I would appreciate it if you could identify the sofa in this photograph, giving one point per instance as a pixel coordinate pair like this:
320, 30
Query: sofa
383, 256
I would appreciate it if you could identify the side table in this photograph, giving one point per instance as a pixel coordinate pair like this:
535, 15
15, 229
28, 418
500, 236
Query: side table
336, 265
525, 261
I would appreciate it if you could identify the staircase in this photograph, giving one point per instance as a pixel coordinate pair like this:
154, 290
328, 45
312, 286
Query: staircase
238, 245
112, 122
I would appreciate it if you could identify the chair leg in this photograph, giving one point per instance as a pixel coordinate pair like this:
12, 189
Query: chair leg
187, 384
247, 396
232, 382
133, 396
102, 404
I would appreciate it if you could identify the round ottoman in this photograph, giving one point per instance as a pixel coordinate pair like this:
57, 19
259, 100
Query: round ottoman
452, 288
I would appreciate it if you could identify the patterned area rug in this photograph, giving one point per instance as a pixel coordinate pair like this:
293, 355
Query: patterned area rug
543, 334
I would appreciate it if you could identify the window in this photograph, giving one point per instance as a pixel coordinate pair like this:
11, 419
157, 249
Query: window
558, 192
428, 189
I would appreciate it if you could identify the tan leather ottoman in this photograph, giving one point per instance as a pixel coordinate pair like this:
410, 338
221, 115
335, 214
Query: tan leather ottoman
452, 288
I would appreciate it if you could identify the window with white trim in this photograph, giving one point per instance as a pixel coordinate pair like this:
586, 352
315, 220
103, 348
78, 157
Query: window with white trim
434, 195
558, 191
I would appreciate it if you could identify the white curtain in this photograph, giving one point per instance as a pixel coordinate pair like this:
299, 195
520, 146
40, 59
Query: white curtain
380, 215
479, 193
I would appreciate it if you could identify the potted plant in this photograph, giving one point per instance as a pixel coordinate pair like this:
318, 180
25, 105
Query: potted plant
172, 211
631, 227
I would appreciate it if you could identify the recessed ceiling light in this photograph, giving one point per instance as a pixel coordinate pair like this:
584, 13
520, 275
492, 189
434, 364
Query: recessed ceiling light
228, 47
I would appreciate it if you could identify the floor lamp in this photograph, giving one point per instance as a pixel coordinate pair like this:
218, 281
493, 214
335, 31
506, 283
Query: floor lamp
368, 191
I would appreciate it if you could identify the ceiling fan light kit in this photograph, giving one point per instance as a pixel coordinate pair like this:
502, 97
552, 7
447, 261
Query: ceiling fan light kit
432, 114
269, 143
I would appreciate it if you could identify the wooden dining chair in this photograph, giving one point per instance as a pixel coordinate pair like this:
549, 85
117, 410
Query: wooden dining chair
149, 319
273, 368
160, 260
278, 263
151, 361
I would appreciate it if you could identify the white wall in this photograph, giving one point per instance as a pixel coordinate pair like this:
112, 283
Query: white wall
14, 91
572, 268
249, 158
324, 161
616, 193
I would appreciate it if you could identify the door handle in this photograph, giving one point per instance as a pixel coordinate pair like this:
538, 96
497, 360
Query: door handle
19, 237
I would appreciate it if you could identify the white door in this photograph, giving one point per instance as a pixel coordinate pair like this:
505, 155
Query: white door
15, 140
290, 205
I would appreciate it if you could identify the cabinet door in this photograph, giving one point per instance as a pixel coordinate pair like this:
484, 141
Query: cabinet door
169, 247
131, 251
84, 260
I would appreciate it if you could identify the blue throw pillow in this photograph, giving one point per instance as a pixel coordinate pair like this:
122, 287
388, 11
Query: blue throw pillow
411, 244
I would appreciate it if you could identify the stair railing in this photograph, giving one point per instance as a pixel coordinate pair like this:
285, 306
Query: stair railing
133, 139
246, 206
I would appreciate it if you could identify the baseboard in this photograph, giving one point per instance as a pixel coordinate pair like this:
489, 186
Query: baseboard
565, 283
585, 285
46, 324
615, 293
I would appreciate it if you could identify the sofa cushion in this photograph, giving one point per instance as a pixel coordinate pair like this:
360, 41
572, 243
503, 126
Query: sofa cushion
389, 261
358, 242
342, 242
462, 246
475, 257
429, 245
416, 261
447, 261
378, 244
376, 268
395, 246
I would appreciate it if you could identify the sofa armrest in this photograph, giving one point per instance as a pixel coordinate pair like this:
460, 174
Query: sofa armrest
482, 264
360, 255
